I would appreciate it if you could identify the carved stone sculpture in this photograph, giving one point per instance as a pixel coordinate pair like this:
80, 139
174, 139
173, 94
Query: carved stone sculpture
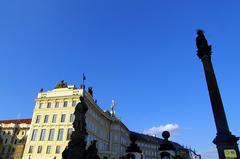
202, 44
92, 151
61, 84
76, 148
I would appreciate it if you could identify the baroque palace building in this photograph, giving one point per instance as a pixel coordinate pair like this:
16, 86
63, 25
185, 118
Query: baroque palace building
51, 127
52, 120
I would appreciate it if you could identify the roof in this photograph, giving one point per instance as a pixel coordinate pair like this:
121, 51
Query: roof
14, 121
153, 140
147, 138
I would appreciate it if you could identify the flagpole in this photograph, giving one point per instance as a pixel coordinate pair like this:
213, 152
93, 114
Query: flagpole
83, 80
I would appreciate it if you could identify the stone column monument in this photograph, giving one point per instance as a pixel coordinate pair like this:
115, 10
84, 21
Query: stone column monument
225, 141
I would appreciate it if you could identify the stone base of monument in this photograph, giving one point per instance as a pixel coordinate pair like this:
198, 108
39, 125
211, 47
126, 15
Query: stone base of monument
78, 153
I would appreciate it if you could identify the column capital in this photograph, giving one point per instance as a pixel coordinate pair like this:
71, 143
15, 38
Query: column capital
204, 51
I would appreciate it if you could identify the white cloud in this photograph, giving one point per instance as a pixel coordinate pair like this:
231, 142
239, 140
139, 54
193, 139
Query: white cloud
157, 131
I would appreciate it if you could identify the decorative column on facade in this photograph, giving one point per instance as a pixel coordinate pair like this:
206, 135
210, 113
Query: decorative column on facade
226, 142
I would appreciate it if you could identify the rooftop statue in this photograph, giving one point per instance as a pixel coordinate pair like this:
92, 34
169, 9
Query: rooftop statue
202, 44
61, 84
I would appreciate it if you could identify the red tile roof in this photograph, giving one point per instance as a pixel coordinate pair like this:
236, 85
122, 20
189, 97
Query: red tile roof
27, 121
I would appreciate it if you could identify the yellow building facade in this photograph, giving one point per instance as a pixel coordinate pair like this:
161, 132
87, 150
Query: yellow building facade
51, 125
13, 135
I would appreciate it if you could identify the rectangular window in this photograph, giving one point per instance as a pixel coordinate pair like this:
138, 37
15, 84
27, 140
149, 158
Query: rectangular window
69, 133
51, 135
72, 117
54, 119
74, 103
6, 140
34, 134
40, 105
39, 150
49, 105
38, 118
60, 134
48, 149
30, 150
9, 149
57, 105
58, 149
65, 103
42, 136
46, 118
63, 118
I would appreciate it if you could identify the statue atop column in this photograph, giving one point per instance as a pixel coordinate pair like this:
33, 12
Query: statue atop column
202, 44
79, 123
77, 145
201, 41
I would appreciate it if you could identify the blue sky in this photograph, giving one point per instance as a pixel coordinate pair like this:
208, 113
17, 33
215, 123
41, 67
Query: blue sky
141, 53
